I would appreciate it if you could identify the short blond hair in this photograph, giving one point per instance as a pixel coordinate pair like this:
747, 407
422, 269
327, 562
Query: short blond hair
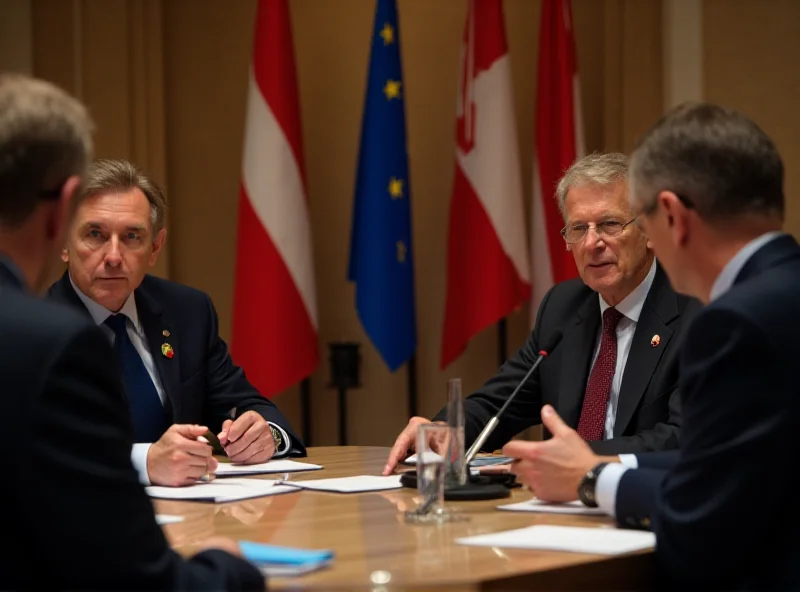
45, 138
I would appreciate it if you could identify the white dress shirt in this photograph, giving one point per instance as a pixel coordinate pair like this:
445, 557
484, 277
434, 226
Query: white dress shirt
631, 308
608, 481
99, 314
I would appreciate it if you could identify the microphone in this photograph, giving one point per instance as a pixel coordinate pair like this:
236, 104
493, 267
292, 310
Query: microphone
490, 427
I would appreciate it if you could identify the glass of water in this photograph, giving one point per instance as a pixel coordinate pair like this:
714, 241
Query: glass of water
436, 444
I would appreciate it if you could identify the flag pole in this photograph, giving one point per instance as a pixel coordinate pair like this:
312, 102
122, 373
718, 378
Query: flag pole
305, 409
502, 341
411, 385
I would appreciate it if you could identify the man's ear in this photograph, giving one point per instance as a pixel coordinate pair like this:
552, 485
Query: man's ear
158, 244
61, 214
677, 217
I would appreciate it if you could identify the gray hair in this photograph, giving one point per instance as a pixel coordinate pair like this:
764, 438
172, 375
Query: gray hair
112, 176
718, 161
45, 138
598, 168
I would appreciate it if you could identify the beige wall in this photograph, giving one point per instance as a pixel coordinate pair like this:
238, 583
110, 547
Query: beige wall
166, 80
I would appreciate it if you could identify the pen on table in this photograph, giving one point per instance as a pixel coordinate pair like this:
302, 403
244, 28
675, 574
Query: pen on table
208, 476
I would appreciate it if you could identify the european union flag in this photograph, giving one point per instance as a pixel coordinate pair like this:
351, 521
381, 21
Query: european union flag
381, 261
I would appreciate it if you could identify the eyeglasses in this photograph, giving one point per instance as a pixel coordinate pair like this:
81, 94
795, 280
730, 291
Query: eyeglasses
575, 233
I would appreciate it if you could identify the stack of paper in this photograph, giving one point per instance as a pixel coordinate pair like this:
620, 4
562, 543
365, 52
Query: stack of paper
536, 505
357, 484
273, 466
480, 461
601, 541
226, 490
284, 561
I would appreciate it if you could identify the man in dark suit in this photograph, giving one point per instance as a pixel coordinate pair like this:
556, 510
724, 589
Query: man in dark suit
77, 517
614, 375
708, 184
176, 368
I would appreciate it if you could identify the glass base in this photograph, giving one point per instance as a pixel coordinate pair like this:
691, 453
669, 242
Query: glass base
437, 516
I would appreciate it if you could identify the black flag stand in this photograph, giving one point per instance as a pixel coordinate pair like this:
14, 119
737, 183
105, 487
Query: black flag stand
305, 410
345, 369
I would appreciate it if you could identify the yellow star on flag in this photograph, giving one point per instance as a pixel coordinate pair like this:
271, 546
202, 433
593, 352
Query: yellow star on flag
396, 188
387, 33
392, 89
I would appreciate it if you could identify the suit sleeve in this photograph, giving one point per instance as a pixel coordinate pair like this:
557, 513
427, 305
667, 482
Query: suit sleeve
736, 401
662, 436
229, 388
525, 409
79, 442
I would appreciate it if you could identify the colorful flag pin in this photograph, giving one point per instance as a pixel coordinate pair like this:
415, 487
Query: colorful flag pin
167, 351
655, 340
165, 333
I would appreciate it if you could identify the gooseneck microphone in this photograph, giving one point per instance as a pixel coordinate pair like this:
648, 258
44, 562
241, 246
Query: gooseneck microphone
490, 427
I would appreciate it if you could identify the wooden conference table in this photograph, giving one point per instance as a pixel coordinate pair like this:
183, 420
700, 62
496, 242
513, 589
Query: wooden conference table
376, 550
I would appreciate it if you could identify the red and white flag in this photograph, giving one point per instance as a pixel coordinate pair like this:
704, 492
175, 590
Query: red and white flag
274, 310
559, 141
487, 260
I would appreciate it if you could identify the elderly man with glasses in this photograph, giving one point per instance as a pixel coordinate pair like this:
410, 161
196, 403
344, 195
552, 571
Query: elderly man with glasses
613, 377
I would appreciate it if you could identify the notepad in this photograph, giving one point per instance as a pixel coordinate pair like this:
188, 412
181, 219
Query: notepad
273, 466
480, 461
599, 541
273, 560
536, 505
359, 484
219, 491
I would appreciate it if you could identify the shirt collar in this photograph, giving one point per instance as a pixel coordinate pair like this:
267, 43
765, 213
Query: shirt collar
728, 274
100, 313
631, 305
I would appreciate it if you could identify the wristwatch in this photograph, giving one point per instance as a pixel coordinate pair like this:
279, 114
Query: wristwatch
588, 484
276, 436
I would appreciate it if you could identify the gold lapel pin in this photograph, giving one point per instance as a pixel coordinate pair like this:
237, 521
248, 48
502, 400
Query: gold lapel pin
165, 333
655, 340
167, 351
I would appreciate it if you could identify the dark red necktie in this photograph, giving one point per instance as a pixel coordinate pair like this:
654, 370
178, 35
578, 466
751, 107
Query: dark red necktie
593, 414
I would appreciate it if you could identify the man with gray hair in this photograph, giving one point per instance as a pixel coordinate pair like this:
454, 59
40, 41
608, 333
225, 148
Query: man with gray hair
77, 517
707, 184
613, 376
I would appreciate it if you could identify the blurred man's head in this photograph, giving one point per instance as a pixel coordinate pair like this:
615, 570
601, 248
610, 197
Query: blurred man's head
611, 253
45, 147
117, 232
705, 181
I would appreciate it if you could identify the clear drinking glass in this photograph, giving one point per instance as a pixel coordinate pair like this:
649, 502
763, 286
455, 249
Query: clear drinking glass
455, 468
435, 446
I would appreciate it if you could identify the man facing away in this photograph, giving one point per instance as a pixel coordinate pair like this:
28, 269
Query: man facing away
707, 184
77, 517
613, 376
178, 374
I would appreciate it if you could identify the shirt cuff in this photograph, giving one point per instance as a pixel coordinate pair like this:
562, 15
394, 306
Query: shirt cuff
629, 460
607, 485
286, 443
139, 459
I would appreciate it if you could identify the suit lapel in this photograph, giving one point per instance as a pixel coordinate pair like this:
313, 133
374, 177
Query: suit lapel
660, 308
579, 342
159, 331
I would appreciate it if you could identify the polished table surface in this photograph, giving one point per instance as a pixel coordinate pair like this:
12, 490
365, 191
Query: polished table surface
376, 550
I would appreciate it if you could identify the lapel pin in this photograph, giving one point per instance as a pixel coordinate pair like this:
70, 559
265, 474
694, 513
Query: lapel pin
167, 351
165, 333
655, 340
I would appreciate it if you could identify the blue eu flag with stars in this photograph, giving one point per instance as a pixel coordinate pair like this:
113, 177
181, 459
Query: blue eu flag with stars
381, 257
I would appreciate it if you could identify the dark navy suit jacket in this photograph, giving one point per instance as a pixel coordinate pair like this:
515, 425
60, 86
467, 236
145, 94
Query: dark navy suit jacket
201, 382
724, 507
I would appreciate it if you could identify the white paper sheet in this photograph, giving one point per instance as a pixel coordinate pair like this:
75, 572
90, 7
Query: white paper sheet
163, 519
221, 490
480, 461
536, 505
600, 541
357, 484
273, 466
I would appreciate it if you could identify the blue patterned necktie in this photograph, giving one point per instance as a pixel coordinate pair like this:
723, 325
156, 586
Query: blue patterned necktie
147, 411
